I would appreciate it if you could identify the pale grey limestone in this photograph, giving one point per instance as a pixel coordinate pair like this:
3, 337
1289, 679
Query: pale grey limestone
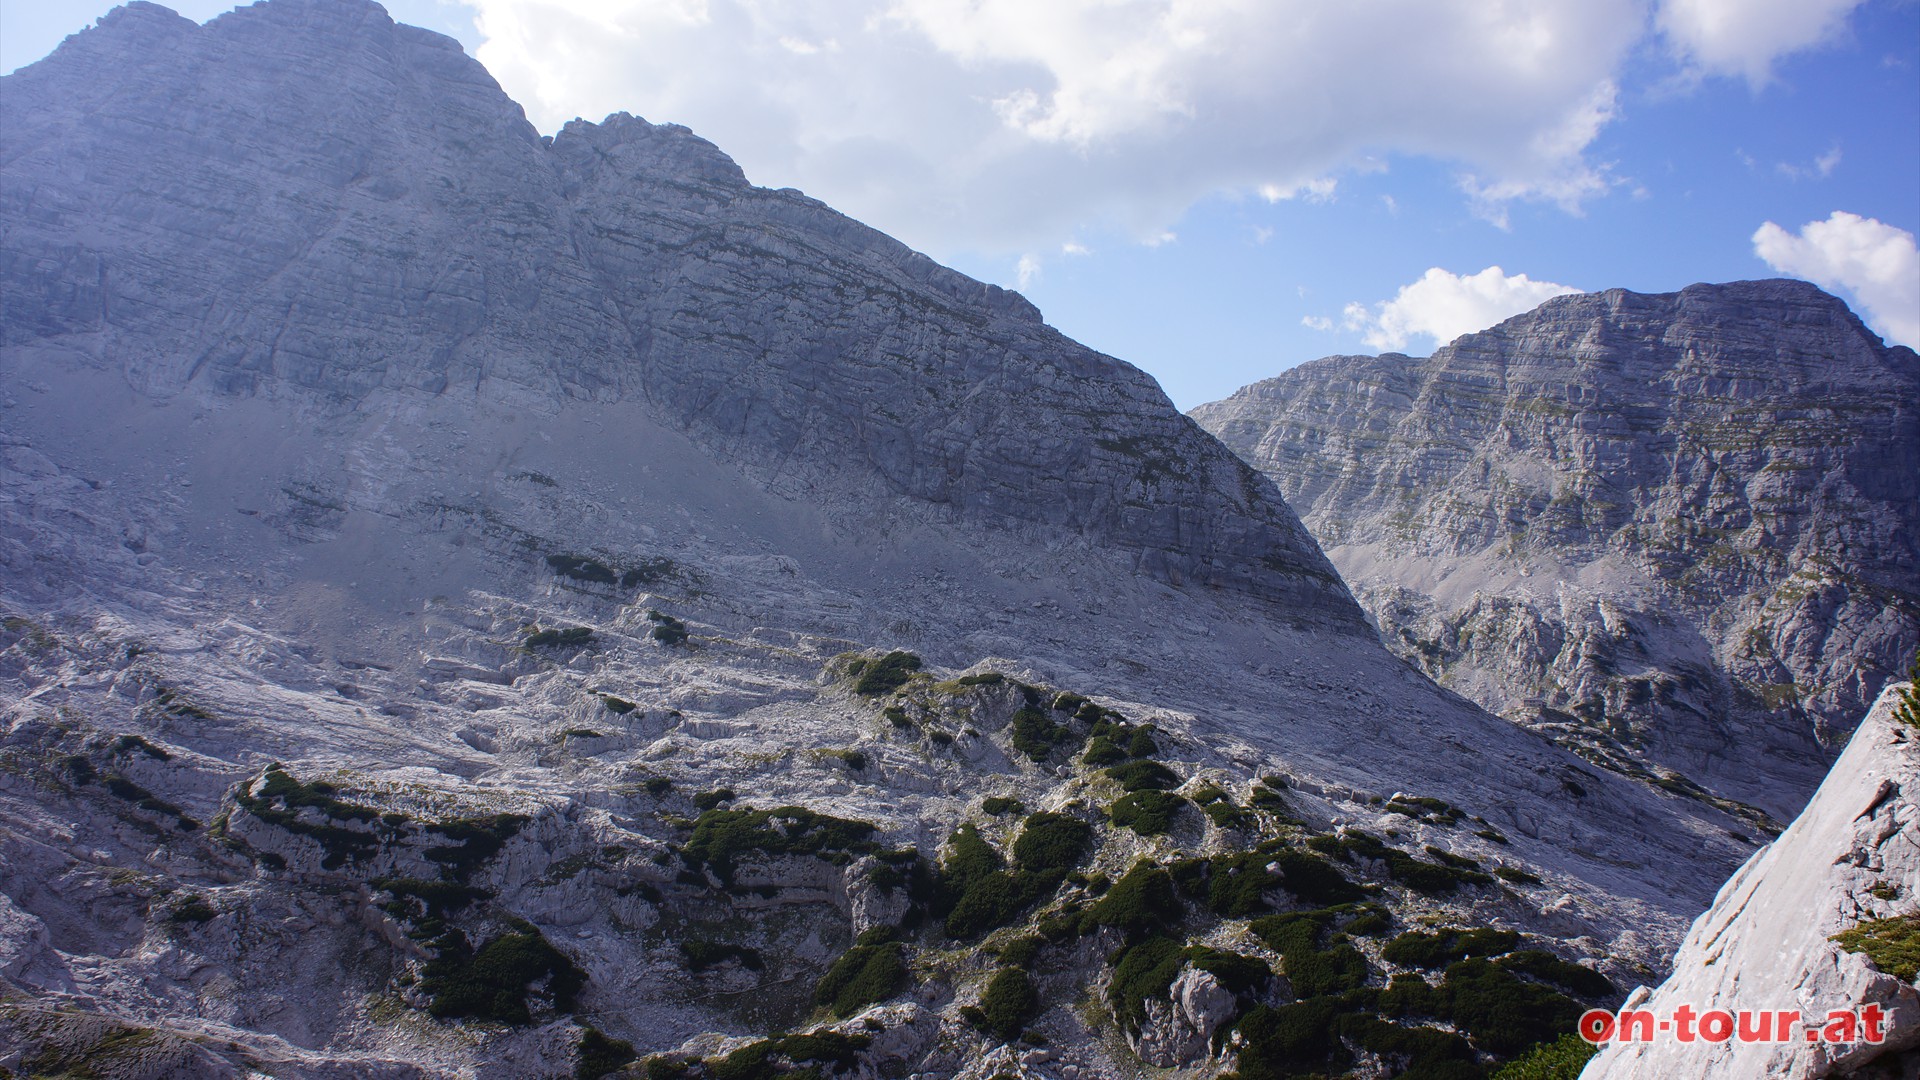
1677, 530
1852, 855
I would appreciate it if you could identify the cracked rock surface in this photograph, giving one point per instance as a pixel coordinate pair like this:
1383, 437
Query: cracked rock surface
1679, 532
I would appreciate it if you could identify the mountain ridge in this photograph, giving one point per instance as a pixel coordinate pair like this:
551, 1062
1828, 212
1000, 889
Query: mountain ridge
1724, 460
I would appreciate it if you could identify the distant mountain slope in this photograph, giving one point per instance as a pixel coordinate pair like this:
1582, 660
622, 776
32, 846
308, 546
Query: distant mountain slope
306, 200
1681, 529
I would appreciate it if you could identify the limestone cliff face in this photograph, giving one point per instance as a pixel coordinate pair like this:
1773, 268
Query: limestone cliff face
304, 199
1680, 529
1852, 857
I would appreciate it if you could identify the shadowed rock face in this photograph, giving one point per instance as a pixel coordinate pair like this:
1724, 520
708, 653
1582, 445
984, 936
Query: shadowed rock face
304, 199
1681, 529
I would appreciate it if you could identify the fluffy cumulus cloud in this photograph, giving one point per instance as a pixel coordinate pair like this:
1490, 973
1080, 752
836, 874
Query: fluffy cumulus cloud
1746, 37
1443, 305
1008, 125
1874, 263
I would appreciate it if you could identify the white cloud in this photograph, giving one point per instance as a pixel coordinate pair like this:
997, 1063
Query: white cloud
1074, 247
1316, 322
1026, 271
1746, 37
1008, 126
1316, 191
1876, 263
1443, 305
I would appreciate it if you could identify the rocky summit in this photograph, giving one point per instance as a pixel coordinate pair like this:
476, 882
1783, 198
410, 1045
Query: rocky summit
1679, 533
481, 605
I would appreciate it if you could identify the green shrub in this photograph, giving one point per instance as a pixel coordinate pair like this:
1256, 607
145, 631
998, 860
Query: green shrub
1425, 1052
1009, 1004
1420, 808
1144, 776
479, 839
887, 674
1581, 981
551, 638
702, 955
1515, 875
278, 798
492, 983
1409, 995
1141, 902
1143, 972
191, 909
807, 1056
1225, 815
1908, 709
1892, 944
1149, 812
130, 743
581, 568
1001, 804
896, 716
1140, 743
1036, 735
863, 975
1501, 1012
985, 678
1022, 951
1562, 1059
707, 800
721, 837
600, 1055
1436, 950
426, 904
1102, 751
1287, 1041
1313, 971
1425, 877
617, 706
1051, 843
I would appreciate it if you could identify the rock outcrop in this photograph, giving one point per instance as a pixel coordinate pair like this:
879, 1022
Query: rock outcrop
1678, 531
1767, 943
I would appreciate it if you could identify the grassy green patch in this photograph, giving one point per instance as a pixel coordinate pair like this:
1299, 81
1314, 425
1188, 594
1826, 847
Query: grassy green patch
1892, 944
667, 630
1562, 1059
1149, 812
492, 983
1140, 903
885, 675
862, 976
1436, 950
1009, 1004
702, 955
572, 637
721, 837
600, 1055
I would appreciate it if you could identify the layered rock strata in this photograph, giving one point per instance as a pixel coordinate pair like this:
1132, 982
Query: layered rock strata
1679, 531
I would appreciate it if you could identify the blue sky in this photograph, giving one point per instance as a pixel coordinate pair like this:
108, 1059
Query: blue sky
1216, 192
